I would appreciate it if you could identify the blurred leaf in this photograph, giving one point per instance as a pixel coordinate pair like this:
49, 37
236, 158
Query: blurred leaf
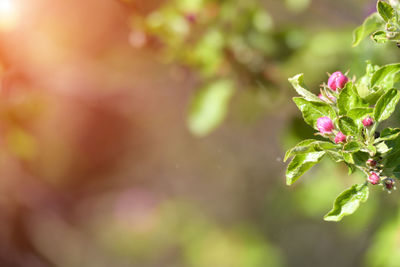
384, 249
385, 10
386, 105
388, 134
382, 148
379, 37
209, 107
298, 84
371, 24
297, 5
300, 164
313, 110
348, 202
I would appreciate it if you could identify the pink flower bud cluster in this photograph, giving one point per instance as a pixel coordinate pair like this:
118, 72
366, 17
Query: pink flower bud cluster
326, 126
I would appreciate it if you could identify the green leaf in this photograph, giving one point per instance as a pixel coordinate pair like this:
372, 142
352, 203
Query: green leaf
335, 156
385, 77
300, 164
392, 160
382, 148
313, 110
309, 145
379, 37
348, 126
360, 158
349, 99
388, 134
386, 105
347, 157
364, 82
352, 168
298, 84
385, 10
347, 202
371, 24
371, 149
209, 107
352, 146
358, 114
302, 147
396, 172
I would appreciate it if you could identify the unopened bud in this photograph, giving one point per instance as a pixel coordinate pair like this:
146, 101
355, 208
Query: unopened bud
389, 183
340, 138
337, 81
371, 162
373, 178
367, 121
325, 125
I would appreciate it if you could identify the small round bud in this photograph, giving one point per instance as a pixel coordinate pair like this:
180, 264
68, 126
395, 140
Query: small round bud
191, 17
325, 125
337, 81
371, 162
373, 178
340, 138
367, 121
389, 183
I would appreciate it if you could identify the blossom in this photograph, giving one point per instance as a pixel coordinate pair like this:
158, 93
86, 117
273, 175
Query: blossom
337, 80
367, 121
325, 125
373, 178
340, 138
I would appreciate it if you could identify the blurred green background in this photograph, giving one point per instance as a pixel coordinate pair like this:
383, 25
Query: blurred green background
151, 134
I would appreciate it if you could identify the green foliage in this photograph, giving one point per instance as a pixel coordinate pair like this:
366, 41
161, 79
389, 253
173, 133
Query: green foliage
377, 101
300, 164
386, 105
347, 126
347, 202
385, 10
209, 107
384, 24
371, 24
349, 99
313, 110
298, 84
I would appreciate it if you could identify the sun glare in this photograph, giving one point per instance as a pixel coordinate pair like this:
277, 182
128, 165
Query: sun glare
9, 15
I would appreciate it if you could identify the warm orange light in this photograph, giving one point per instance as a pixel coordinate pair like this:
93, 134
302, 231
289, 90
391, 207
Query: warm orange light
9, 15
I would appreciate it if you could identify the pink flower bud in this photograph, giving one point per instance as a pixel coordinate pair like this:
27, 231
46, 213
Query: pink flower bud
191, 17
371, 162
337, 80
373, 178
367, 121
325, 125
340, 138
